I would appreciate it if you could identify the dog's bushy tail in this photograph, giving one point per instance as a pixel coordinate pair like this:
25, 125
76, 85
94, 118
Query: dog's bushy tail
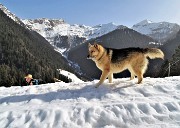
153, 53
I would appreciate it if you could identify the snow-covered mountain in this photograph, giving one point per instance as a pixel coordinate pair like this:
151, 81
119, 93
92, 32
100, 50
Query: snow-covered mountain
65, 36
161, 31
53, 27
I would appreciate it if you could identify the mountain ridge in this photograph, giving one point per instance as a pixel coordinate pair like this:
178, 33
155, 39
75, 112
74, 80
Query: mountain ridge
64, 36
160, 31
11, 15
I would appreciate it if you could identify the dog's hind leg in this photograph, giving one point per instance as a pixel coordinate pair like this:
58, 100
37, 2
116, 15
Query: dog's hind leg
110, 77
139, 73
132, 73
140, 78
140, 68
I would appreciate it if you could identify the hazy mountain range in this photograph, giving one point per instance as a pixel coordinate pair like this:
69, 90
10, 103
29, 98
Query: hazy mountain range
65, 36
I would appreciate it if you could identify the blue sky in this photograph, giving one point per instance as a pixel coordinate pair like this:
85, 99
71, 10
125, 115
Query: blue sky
93, 12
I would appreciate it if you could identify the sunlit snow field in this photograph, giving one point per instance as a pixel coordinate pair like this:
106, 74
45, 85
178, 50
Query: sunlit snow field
123, 104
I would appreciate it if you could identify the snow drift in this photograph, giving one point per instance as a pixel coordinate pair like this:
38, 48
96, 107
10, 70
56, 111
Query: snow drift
124, 104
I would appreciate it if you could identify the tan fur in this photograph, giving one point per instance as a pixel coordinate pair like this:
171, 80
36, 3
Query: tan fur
136, 62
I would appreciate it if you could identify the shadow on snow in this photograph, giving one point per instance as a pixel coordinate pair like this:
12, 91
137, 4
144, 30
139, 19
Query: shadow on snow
88, 92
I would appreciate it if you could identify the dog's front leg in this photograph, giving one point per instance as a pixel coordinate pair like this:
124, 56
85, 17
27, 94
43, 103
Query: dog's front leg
110, 77
104, 75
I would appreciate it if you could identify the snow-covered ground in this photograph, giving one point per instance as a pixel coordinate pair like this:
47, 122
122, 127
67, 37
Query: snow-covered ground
124, 104
71, 76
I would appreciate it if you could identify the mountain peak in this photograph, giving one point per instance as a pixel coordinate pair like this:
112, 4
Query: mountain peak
160, 31
144, 22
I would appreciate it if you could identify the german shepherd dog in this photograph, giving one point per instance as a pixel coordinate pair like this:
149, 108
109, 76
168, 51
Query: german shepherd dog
111, 61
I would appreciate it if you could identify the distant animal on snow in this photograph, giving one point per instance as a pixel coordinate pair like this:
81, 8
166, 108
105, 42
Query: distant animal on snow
111, 61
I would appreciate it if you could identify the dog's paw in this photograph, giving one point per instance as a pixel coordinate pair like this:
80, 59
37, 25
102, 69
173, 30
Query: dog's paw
97, 85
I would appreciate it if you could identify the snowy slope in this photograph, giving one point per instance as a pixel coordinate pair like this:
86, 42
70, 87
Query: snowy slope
153, 104
161, 31
71, 76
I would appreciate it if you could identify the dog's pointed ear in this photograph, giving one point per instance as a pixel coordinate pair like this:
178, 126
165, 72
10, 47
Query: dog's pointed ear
96, 46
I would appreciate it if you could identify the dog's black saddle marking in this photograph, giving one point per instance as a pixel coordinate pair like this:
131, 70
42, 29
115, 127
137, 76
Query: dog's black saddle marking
121, 54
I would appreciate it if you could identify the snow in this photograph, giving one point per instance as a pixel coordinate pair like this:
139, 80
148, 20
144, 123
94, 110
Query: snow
155, 43
70, 75
10, 15
51, 29
160, 31
153, 104
47, 30
148, 27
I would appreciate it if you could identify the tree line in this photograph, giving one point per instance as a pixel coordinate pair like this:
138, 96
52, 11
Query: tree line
23, 51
